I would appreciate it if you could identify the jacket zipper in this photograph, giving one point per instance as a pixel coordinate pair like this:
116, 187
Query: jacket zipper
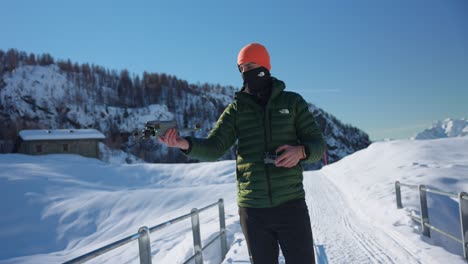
267, 138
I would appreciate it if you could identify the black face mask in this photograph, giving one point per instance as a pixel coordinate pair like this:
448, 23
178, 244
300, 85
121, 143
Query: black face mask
258, 82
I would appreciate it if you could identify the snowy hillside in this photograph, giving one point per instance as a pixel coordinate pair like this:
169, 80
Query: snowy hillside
443, 129
44, 95
64, 95
341, 139
33, 96
59, 206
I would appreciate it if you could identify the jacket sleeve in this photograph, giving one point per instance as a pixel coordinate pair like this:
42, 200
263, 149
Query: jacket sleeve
308, 132
218, 141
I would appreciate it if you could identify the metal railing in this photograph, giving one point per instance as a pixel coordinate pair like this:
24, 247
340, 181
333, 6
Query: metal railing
462, 199
144, 239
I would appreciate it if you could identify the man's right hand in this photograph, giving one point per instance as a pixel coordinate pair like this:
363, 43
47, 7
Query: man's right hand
171, 139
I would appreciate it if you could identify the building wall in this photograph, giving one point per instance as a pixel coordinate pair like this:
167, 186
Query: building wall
7, 146
84, 147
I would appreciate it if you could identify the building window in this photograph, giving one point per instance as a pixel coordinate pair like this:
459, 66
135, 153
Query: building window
65, 147
38, 148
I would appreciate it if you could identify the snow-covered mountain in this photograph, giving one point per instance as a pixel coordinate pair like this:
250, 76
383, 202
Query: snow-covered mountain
37, 92
342, 140
446, 128
56, 207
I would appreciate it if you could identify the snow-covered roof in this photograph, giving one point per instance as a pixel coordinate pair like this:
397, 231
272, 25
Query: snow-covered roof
60, 134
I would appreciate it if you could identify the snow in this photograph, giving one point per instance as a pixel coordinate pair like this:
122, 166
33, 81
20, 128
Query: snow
57, 207
366, 179
117, 156
60, 134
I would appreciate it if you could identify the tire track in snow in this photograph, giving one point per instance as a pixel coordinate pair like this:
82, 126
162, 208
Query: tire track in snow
346, 237
373, 250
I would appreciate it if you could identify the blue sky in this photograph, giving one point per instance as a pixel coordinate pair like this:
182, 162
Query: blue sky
390, 68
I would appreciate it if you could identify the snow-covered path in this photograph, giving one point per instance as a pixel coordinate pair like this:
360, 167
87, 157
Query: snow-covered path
343, 236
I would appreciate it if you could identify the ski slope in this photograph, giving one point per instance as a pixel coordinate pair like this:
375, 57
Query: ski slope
57, 207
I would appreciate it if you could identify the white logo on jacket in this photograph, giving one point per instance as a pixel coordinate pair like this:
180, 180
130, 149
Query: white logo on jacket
284, 111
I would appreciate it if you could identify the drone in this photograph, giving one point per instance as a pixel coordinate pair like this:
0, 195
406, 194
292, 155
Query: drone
159, 128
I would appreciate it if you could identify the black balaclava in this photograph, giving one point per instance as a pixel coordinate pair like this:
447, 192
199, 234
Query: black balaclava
258, 82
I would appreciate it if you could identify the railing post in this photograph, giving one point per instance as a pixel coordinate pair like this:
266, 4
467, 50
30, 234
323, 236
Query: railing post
464, 222
222, 229
399, 205
424, 210
196, 236
144, 245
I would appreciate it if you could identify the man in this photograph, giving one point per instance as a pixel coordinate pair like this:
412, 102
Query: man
275, 132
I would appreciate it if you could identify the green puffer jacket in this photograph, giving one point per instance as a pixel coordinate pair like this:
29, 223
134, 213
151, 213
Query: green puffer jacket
285, 120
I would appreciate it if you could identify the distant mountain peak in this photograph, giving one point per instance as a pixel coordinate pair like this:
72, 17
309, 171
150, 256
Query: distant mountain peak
450, 127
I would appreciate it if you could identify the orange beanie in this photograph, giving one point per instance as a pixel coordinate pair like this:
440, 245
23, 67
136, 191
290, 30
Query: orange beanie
256, 53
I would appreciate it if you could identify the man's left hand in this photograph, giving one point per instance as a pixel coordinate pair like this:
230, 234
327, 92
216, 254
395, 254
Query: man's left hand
290, 157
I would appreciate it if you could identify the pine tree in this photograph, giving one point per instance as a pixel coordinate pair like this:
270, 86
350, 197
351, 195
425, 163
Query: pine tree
31, 59
11, 60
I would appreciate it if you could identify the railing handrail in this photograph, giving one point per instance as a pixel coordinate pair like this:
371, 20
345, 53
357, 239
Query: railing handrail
178, 219
104, 249
450, 194
423, 219
143, 232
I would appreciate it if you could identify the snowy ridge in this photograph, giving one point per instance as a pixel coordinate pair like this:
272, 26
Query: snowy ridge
61, 206
442, 129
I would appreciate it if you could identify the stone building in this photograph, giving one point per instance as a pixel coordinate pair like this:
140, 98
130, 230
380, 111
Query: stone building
59, 141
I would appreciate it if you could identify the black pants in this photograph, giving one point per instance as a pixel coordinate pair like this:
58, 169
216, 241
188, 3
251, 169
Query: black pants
287, 225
